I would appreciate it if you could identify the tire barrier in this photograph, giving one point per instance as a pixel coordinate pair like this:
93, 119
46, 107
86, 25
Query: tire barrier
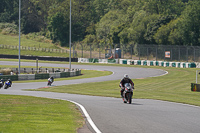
141, 62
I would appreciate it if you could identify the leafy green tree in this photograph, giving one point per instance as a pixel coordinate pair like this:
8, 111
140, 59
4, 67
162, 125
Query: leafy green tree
58, 28
109, 27
9, 10
154, 25
190, 25
164, 7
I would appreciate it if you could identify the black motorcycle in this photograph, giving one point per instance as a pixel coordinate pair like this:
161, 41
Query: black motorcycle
49, 82
128, 93
1, 84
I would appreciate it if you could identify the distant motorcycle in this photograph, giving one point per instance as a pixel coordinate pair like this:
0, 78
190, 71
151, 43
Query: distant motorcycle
7, 85
128, 93
49, 81
1, 84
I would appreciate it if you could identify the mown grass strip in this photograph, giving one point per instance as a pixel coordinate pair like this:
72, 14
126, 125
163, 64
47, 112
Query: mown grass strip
14, 41
175, 87
21, 114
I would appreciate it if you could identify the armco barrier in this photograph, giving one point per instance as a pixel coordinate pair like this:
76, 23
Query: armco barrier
75, 72
11, 77
64, 74
26, 77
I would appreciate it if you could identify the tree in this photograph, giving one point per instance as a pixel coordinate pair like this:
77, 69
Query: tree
190, 24
58, 28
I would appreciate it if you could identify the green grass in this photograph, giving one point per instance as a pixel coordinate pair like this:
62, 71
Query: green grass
14, 41
175, 87
25, 114
33, 53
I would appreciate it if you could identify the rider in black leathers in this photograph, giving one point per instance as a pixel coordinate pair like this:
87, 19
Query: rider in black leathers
126, 79
1, 83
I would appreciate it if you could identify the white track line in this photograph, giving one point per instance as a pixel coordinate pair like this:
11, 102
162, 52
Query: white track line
86, 115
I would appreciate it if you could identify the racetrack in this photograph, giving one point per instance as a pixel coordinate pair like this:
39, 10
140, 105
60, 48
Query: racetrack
110, 115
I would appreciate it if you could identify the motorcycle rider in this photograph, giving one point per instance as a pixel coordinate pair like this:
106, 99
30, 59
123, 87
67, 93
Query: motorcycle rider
51, 79
10, 82
125, 79
1, 83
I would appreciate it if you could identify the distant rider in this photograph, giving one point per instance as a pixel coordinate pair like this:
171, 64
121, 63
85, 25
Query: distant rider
51, 79
10, 82
126, 79
1, 83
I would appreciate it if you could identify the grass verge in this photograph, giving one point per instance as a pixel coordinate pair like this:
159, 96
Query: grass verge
175, 87
21, 114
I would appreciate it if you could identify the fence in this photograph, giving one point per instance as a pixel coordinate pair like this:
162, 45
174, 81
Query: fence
33, 49
127, 51
140, 52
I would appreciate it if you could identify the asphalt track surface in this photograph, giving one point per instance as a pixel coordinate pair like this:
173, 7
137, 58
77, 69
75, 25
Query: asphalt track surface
111, 115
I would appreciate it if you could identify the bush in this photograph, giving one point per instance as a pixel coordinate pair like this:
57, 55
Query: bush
5, 71
8, 28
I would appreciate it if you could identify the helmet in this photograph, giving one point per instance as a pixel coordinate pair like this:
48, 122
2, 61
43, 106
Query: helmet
126, 76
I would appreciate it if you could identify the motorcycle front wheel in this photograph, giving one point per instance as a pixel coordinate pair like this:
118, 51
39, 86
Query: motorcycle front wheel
129, 98
6, 87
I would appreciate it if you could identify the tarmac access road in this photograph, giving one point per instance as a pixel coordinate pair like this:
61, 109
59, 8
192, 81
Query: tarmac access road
111, 115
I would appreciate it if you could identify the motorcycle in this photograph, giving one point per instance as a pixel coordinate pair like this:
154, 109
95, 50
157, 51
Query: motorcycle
7, 85
1, 84
128, 93
49, 82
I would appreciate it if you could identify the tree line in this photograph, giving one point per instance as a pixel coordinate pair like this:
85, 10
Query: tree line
166, 22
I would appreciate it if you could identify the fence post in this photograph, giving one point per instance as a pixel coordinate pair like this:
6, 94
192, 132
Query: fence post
139, 53
99, 52
90, 52
156, 53
73, 50
194, 54
164, 54
171, 54
82, 50
187, 53
179, 53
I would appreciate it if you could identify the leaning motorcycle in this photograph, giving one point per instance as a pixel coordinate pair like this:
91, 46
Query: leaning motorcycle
49, 82
128, 93
7, 85
1, 84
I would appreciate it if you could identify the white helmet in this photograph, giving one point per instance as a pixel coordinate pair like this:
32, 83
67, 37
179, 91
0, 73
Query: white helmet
126, 76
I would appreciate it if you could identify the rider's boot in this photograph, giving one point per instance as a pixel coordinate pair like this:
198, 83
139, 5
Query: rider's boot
122, 93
